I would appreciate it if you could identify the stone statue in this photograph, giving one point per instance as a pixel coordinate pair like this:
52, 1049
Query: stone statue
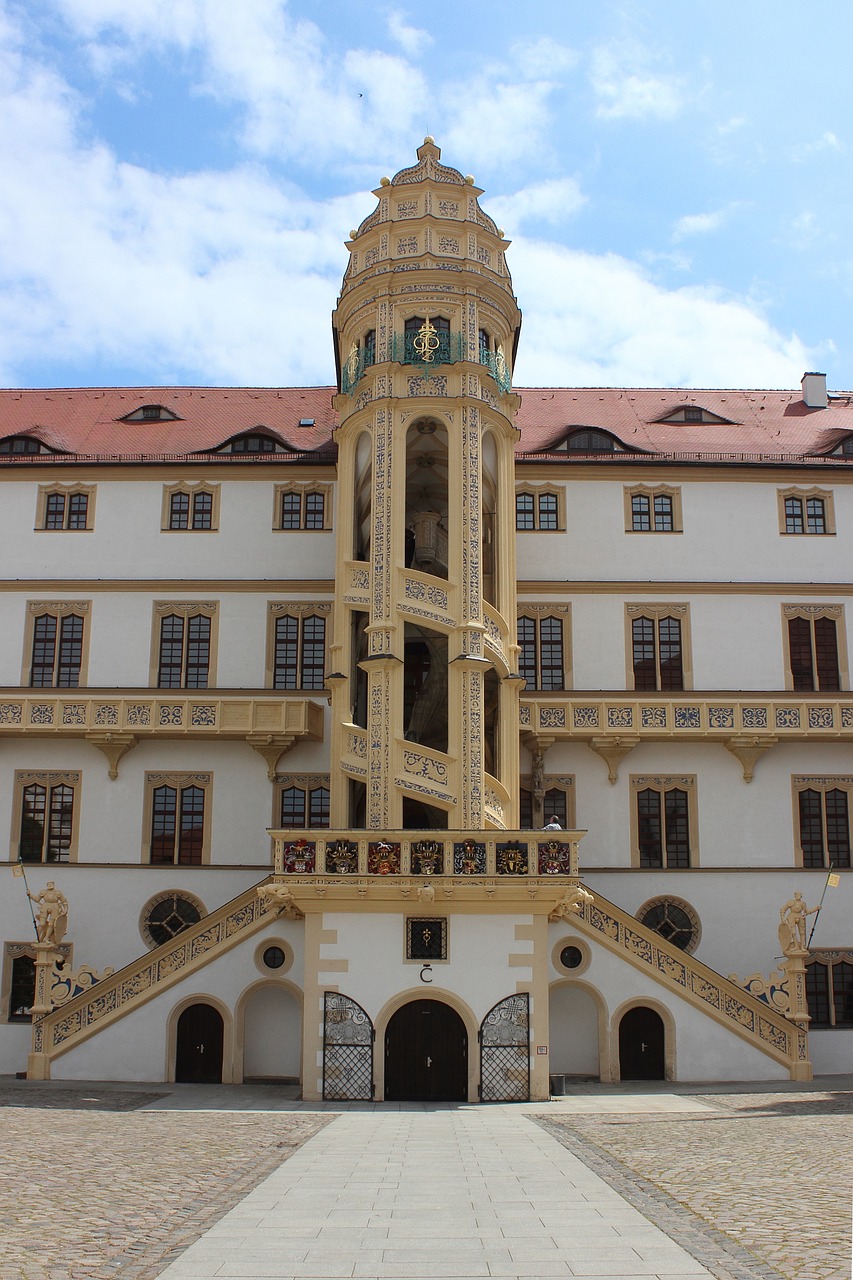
792, 929
281, 900
426, 892
52, 913
572, 903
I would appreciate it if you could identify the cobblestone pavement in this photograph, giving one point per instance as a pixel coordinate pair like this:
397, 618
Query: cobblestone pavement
759, 1187
90, 1191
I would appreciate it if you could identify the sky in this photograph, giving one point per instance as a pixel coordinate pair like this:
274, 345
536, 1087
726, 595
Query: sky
178, 178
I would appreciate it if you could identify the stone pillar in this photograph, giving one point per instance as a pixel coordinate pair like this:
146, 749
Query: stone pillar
47, 955
794, 966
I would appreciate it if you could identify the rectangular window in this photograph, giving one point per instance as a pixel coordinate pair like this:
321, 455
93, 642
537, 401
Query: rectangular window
541, 660
177, 824
663, 828
426, 939
57, 652
184, 651
823, 820
539, 509
829, 989
813, 652
650, 510
664, 833
299, 652
299, 507
45, 828
65, 506
657, 653
192, 507
369, 348
807, 511
304, 804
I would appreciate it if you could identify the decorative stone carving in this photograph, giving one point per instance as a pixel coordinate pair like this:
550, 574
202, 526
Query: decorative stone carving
748, 751
792, 927
772, 990
113, 746
613, 752
572, 902
52, 913
280, 900
67, 985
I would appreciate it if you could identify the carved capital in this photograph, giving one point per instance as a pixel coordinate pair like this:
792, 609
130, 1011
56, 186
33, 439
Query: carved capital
613, 752
748, 750
113, 746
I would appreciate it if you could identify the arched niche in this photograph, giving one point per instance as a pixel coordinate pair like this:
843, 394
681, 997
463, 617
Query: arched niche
427, 514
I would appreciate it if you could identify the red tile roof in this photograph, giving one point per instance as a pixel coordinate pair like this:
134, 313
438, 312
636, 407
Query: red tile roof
89, 422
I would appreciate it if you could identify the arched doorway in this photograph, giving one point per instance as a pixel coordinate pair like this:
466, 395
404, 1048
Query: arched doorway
641, 1045
198, 1056
574, 1049
426, 1054
272, 1035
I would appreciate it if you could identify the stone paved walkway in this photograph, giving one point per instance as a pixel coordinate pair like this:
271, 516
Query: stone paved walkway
656, 1182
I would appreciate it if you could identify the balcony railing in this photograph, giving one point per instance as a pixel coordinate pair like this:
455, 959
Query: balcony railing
428, 351
498, 367
459, 854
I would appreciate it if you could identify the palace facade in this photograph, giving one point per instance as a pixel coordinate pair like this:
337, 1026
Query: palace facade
424, 736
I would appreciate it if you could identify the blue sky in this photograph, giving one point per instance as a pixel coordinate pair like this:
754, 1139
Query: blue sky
179, 177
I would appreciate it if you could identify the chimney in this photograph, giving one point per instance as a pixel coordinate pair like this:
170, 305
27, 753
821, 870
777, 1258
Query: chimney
814, 390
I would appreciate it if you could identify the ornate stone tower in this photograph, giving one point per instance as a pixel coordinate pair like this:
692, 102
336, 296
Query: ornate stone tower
423, 665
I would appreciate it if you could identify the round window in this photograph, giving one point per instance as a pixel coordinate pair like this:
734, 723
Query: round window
571, 957
674, 920
273, 957
167, 915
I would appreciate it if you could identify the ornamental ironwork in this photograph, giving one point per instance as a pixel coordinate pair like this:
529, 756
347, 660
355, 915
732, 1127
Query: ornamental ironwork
505, 1051
347, 1050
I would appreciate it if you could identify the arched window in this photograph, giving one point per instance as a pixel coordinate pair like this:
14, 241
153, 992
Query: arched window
587, 440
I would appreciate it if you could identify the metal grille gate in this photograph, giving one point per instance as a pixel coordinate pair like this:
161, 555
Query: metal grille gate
505, 1051
347, 1050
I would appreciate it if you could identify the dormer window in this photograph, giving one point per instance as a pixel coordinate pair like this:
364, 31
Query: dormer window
150, 413
253, 442
842, 450
590, 441
695, 413
21, 444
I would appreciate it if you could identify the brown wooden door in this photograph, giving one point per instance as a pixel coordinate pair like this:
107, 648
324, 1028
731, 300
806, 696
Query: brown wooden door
641, 1045
426, 1054
198, 1059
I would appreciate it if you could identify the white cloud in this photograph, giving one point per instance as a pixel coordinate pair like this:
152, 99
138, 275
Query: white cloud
600, 321
552, 202
628, 88
700, 224
544, 58
826, 142
410, 39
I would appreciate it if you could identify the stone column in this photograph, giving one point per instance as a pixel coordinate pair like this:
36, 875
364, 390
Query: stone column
47, 955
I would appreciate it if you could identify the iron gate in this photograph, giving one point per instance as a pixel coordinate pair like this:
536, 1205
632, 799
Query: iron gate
505, 1051
347, 1050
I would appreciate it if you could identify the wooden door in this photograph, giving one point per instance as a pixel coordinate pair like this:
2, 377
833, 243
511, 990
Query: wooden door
198, 1059
426, 1054
641, 1045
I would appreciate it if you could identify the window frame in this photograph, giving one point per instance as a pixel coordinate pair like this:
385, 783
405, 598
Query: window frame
15, 950
60, 609
813, 613
191, 490
804, 496
49, 779
302, 488
651, 493
829, 958
656, 612
801, 783
186, 610
300, 610
537, 614
305, 782
536, 492
66, 491
562, 783
179, 782
663, 785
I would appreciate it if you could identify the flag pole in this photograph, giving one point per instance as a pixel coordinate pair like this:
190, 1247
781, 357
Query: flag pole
19, 871
820, 904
